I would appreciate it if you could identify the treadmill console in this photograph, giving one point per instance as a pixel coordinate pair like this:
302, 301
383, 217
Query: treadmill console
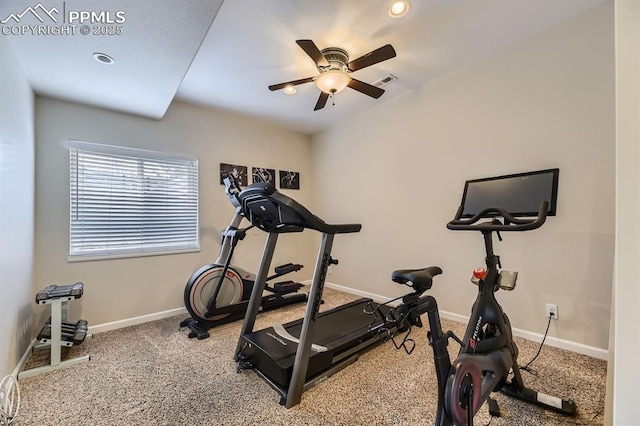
270, 210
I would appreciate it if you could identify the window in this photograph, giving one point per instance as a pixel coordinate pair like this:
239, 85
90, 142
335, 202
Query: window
129, 202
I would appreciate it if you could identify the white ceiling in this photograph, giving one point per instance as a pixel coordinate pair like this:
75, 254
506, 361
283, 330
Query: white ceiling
158, 42
251, 45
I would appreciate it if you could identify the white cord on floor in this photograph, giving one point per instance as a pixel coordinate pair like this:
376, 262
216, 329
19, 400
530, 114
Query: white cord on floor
9, 400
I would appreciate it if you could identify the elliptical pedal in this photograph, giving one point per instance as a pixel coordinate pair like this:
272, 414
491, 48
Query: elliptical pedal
287, 287
287, 268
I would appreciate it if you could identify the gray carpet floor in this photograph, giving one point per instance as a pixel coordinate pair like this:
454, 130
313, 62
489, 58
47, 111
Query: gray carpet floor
152, 374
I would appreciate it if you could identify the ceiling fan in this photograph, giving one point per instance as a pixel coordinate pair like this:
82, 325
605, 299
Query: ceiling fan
334, 67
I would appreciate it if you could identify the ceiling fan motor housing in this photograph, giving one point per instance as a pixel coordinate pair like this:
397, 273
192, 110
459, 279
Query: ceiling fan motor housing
337, 58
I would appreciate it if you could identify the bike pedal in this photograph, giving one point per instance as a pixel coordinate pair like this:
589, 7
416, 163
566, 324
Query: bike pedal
494, 410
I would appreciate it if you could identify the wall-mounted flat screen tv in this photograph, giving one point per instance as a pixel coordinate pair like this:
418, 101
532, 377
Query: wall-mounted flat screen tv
520, 194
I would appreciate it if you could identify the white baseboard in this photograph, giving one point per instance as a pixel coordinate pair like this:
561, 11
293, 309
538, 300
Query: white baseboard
100, 328
537, 337
356, 292
106, 327
556, 342
551, 341
23, 360
529, 335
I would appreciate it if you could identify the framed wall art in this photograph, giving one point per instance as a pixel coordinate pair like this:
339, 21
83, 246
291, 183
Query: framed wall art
289, 180
239, 172
261, 174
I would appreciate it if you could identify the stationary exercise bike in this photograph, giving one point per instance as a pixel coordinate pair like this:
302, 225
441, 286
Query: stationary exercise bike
488, 353
219, 293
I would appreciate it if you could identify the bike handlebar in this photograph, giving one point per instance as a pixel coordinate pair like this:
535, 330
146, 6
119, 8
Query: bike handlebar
511, 223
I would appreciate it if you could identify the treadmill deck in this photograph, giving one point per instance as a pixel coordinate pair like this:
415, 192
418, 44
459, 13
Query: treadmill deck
342, 330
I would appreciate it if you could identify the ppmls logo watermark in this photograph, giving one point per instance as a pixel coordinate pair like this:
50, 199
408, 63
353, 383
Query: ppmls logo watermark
42, 20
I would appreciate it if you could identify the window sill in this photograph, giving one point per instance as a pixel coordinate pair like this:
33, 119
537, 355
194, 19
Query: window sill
96, 257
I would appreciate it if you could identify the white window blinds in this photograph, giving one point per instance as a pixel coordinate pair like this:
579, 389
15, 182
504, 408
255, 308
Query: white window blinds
131, 202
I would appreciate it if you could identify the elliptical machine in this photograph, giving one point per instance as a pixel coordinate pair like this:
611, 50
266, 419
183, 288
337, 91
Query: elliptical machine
488, 354
218, 293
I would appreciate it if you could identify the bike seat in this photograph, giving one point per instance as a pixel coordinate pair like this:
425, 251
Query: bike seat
420, 279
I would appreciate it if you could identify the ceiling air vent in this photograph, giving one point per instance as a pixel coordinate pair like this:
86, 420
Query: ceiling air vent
386, 80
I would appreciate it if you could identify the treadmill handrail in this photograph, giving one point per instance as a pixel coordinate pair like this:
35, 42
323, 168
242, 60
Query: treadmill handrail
282, 332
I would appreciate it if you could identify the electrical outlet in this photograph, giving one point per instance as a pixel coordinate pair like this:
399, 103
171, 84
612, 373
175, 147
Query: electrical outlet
552, 311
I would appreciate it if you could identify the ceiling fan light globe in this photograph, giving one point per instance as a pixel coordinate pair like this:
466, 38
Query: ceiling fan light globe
332, 81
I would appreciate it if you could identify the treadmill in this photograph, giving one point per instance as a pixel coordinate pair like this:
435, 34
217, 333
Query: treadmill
296, 356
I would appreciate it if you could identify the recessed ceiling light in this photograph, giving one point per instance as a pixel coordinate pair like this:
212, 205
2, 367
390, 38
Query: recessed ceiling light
289, 90
103, 58
398, 9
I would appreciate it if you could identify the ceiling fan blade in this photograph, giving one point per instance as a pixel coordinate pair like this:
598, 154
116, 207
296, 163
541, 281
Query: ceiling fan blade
314, 53
366, 88
322, 101
381, 54
290, 83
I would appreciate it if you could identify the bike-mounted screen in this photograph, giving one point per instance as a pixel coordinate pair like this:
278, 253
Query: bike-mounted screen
519, 194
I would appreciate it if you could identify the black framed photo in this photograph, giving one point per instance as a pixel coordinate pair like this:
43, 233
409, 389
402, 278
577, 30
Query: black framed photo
289, 180
239, 172
261, 174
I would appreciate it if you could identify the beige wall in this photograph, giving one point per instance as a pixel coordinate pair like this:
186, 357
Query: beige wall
399, 169
125, 288
625, 347
16, 209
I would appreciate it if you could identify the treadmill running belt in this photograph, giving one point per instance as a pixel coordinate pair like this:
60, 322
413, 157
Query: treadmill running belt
340, 327
339, 330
